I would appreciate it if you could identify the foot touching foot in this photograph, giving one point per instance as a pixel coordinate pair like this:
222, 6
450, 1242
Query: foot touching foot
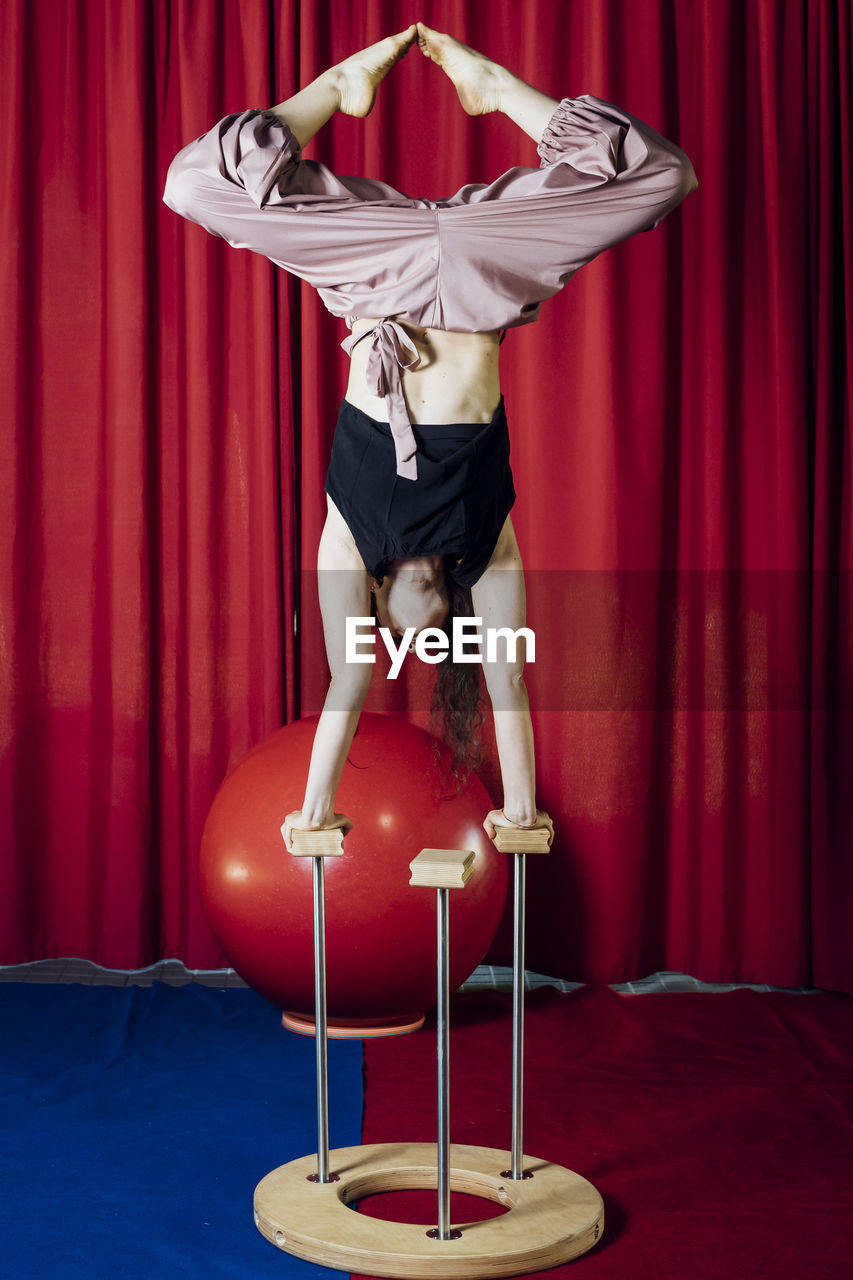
479, 82
358, 77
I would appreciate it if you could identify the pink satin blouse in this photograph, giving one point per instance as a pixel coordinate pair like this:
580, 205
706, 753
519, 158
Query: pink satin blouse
482, 260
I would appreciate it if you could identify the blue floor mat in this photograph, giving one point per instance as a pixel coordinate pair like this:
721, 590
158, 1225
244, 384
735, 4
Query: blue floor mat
135, 1123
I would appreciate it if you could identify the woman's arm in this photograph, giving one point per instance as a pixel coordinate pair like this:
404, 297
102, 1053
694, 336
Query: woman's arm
344, 592
499, 599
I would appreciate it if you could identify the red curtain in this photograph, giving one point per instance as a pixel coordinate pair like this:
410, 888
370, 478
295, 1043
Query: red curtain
680, 423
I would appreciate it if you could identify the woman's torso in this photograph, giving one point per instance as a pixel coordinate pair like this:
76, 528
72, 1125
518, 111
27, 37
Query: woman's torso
457, 379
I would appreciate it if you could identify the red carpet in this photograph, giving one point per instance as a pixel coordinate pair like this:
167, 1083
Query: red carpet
718, 1128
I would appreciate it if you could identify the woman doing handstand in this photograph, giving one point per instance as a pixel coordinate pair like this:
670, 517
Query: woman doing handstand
419, 487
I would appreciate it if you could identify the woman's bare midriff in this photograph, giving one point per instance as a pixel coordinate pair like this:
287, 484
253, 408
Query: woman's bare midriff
457, 379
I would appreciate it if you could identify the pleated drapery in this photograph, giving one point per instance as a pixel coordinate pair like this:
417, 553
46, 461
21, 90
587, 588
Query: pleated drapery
680, 421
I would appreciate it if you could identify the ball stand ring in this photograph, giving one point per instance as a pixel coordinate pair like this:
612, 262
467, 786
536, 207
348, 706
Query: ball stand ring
554, 1216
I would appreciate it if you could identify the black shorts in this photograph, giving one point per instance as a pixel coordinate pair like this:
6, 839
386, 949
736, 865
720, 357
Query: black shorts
456, 507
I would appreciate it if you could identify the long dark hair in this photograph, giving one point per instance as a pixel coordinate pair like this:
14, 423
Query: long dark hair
456, 711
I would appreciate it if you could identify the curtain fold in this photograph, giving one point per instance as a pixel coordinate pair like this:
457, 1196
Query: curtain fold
830, 209
680, 421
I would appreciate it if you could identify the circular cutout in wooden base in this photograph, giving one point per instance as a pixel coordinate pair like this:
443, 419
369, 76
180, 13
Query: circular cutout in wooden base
552, 1217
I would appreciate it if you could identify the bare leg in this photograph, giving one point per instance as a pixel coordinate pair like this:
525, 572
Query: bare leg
484, 86
349, 87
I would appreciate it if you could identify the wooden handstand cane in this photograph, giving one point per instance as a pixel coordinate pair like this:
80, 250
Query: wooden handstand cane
553, 1215
519, 843
442, 870
319, 845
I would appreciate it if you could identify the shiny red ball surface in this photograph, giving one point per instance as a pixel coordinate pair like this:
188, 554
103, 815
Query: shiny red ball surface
380, 931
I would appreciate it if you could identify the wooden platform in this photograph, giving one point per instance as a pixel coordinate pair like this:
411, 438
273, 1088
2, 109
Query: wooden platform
552, 1217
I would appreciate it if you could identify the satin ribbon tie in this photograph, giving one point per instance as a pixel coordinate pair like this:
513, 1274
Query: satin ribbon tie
391, 351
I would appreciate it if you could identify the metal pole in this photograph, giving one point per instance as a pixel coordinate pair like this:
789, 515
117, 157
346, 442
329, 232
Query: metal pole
518, 1017
443, 1067
320, 1023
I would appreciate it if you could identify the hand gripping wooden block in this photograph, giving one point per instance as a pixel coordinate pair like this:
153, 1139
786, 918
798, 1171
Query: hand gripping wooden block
317, 844
517, 840
442, 868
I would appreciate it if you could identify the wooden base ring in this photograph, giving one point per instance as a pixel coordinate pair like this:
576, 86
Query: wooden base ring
554, 1216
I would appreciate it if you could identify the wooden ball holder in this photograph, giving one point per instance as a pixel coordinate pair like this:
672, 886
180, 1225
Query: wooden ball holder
553, 1215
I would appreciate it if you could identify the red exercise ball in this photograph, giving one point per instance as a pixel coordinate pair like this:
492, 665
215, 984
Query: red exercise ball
380, 930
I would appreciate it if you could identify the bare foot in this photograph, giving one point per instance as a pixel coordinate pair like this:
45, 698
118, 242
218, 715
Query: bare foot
479, 81
358, 77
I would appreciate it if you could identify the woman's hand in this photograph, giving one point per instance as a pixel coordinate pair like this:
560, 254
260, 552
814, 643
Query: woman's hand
497, 818
297, 822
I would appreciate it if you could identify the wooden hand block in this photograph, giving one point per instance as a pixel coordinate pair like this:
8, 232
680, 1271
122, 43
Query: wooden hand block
442, 868
517, 840
317, 844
